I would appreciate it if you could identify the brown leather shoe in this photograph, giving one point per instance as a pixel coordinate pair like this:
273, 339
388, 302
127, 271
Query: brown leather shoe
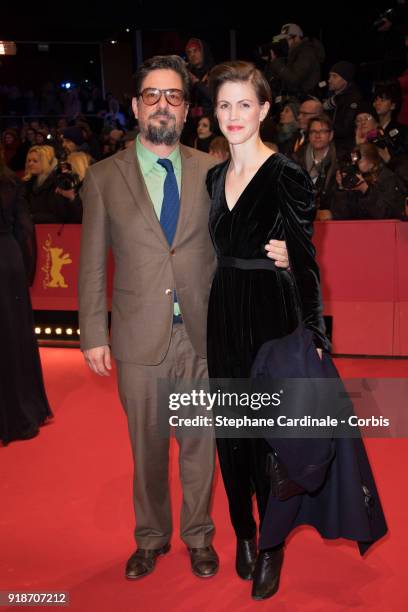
204, 561
143, 561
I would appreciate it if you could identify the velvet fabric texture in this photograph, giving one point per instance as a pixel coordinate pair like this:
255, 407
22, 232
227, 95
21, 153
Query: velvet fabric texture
249, 307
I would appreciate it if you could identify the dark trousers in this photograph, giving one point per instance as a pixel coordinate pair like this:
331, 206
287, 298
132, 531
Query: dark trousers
243, 468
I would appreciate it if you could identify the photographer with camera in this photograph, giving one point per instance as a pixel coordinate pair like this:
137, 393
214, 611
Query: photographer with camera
51, 189
392, 137
70, 175
296, 61
367, 189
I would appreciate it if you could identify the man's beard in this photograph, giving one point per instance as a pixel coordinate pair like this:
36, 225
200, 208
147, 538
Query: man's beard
163, 134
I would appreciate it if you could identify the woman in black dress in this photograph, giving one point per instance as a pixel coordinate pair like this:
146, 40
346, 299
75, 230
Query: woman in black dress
257, 196
23, 401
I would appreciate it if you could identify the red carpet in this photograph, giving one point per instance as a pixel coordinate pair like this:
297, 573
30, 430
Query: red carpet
66, 517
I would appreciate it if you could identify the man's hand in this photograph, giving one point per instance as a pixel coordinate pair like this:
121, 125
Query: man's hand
99, 360
276, 249
320, 352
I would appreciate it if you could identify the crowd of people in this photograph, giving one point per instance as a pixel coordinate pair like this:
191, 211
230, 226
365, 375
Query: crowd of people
354, 146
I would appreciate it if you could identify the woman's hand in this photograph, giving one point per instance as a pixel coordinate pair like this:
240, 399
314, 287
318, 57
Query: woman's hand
362, 185
66, 193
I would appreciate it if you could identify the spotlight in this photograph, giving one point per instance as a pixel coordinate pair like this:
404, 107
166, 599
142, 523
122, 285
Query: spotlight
127, 30
113, 42
58, 331
68, 331
47, 330
37, 330
78, 332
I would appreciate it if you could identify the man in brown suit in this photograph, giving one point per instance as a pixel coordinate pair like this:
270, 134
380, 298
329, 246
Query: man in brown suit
159, 304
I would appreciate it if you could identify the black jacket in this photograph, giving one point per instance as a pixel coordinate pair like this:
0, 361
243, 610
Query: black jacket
46, 206
343, 108
325, 185
384, 199
300, 73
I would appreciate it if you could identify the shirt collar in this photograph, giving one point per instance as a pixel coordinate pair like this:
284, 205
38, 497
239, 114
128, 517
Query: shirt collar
148, 159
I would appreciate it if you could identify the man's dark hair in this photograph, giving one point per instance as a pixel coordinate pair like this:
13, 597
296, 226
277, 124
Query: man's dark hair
390, 90
324, 119
162, 62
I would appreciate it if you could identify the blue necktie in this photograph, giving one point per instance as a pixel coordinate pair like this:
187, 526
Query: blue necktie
171, 201
170, 210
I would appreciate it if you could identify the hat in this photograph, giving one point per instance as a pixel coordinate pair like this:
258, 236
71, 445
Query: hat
194, 43
74, 134
288, 30
344, 69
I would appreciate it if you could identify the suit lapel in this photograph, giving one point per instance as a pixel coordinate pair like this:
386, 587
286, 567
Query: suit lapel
128, 165
189, 184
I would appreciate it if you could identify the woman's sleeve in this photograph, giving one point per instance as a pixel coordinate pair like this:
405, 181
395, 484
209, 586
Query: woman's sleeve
212, 177
24, 233
297, 209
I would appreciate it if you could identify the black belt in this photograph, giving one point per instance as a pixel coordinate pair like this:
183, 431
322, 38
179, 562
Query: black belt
247, 264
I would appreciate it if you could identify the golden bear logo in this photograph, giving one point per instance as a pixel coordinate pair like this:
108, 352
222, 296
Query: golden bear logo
55, 259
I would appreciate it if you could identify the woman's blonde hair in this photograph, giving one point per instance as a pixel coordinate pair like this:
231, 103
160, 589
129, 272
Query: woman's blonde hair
48, 162
80, 162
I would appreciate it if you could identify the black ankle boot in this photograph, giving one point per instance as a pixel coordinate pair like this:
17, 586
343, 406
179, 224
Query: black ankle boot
246, 558
267, 573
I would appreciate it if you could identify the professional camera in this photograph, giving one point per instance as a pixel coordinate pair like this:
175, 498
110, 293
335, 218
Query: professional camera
278, 45
66, 179
391, 141
349, 171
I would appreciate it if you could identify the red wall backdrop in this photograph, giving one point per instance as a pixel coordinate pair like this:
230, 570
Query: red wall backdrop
364, 272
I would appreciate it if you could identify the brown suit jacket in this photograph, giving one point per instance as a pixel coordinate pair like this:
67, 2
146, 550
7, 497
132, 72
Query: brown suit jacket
119, 214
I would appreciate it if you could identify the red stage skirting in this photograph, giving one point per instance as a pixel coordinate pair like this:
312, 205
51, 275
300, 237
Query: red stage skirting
364, 280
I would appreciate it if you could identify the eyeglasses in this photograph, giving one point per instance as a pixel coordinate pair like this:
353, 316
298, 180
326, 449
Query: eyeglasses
151, 96
316, 132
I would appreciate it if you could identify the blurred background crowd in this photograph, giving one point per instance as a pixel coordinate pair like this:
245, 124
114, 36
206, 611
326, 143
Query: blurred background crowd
344, 119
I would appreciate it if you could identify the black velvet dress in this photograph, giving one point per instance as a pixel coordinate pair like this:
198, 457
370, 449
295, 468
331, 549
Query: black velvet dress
23, 401
250, 307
